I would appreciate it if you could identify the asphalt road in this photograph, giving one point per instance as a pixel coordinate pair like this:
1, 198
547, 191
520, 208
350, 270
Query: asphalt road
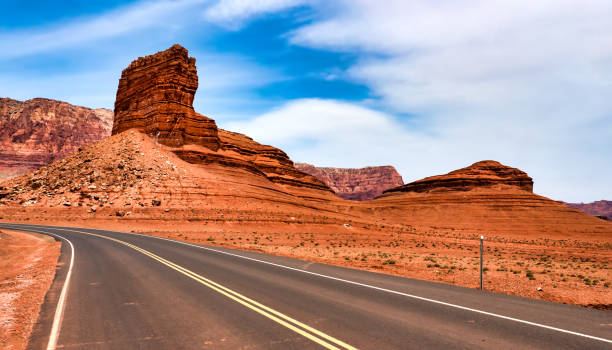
128, 291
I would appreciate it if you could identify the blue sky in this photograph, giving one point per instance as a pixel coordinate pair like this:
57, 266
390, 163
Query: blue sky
425, 86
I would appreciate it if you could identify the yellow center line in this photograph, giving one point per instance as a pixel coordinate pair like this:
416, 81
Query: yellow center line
322, 339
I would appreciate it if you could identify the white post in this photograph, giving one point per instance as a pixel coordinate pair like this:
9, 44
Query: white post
481, 253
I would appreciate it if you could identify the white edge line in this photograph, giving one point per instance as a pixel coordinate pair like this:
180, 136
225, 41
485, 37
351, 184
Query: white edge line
372, 287
59, 311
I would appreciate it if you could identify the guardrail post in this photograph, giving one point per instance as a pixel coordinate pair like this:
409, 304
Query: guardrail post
481, 253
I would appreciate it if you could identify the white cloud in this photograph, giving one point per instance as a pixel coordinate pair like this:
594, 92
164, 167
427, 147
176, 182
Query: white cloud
314, 119
233, 13
528, 83
341, 134
332, 133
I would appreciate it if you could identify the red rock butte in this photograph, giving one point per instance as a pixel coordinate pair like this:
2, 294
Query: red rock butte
483, 174
155, 96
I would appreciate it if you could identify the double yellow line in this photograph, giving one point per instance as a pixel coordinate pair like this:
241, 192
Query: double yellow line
316, 336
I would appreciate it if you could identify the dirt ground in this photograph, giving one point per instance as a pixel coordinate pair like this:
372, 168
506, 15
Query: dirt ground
27, 268
576, 273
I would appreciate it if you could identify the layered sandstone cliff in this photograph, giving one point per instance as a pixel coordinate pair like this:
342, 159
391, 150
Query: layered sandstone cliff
155, 96
38, 131
480, 175
355, 184
486, 198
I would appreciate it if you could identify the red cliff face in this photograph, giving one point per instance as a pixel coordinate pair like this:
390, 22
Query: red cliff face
155, 96
38, 131
480, 175
356, 184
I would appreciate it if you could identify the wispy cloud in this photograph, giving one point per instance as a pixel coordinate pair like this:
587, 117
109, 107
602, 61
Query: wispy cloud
331, 133
233, 13
142, 15
90, 52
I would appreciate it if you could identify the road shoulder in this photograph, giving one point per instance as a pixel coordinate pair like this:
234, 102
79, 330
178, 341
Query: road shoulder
27, 268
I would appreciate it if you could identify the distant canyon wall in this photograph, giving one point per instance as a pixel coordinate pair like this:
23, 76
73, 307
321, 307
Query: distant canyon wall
356, 184
36, 132
598, 208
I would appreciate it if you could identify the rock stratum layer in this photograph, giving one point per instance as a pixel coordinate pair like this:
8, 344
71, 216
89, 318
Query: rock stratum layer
601, 208
485, 198
483, 174
155, 96
355, 184
38, 131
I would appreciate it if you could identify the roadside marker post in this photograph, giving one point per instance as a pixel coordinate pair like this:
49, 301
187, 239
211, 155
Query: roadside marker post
481, 253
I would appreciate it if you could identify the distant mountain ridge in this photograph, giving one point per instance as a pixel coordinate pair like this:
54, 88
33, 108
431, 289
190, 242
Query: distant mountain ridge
597, 208
356, 184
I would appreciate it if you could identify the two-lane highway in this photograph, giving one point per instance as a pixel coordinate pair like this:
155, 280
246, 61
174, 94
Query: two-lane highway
128, 291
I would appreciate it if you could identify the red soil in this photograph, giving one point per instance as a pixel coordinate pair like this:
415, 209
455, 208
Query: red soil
27, 268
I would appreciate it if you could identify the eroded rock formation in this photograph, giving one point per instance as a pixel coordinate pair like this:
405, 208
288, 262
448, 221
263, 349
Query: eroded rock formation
38, 131
355, 184
155, 95
483, 174
485, 198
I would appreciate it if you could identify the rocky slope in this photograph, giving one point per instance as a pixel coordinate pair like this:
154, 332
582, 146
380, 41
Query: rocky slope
483, 174
355, 184
601, 208
130, 172
38, 131
155, 96
190, 162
